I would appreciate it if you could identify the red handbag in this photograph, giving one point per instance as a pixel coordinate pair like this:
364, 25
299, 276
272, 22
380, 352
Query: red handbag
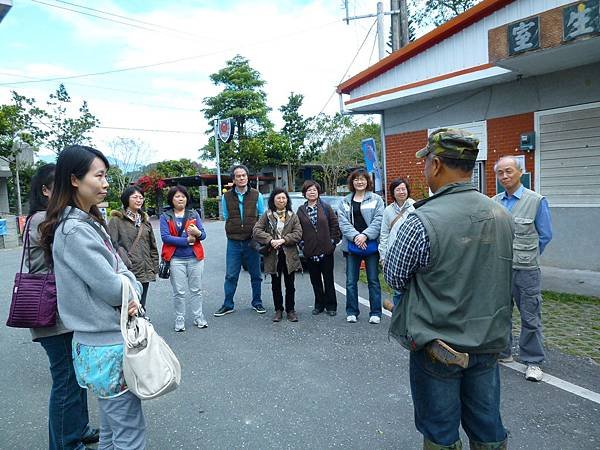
33, 302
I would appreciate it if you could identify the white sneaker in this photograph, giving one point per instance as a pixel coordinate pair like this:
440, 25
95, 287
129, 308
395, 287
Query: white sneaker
351, 319
180, 323
534, 373
201, 323
375, 319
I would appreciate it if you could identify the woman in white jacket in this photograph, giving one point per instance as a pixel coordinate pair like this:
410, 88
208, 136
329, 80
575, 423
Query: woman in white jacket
393, 216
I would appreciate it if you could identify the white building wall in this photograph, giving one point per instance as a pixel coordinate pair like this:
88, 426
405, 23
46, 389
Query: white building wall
467, 48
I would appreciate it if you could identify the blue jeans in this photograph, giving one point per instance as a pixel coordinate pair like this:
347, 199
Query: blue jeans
445, 396
67, 408
352, 272
238, 251
397, 298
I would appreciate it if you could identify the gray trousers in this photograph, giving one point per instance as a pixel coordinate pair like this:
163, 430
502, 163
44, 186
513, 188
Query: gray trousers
527, 294
187, 273
122, 423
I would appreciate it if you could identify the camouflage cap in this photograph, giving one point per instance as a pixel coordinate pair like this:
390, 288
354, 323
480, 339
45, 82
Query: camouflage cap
449, 143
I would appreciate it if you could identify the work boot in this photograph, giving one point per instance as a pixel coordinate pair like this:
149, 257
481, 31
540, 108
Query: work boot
292, 316
277, 316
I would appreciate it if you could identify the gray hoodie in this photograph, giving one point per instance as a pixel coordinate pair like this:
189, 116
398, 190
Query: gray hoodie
86, 268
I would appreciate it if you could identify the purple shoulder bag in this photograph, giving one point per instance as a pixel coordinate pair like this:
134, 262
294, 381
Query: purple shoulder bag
34, 296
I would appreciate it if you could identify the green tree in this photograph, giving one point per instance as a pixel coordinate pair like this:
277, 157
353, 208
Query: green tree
64, 129
437, 12
19, 123
177, 168
242, 99
295, 128
336, 142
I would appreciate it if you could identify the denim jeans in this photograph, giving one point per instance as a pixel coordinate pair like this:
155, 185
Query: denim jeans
67, 408
352, 273
238, 251
445, 396
397, 297
186, 273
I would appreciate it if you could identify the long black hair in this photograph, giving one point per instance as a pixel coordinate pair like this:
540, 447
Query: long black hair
276, 192
74, 160
44, 177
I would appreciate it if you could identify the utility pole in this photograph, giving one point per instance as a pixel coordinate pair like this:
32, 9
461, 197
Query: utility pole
381, 42
405, 38
218, 162
380, 33
379, 15
394, 6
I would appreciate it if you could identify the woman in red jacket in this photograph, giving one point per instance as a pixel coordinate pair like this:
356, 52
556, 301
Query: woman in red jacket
181, 231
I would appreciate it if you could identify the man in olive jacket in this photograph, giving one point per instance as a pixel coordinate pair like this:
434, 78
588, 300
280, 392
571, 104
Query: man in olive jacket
452, 258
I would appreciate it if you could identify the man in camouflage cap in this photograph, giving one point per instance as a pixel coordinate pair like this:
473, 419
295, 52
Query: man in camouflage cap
452, 261
454, 144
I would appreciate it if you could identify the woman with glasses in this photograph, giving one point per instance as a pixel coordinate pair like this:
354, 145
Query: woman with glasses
131, 233
394, 215
360, 216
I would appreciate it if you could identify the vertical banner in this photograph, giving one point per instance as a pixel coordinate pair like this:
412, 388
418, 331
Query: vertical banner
372, 162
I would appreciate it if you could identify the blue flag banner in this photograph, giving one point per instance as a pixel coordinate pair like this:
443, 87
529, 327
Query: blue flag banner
372, 162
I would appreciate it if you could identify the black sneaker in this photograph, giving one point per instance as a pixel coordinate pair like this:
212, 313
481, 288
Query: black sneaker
223, 310
259, 309
91, 437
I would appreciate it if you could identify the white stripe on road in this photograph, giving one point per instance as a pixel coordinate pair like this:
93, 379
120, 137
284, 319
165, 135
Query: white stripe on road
549, 379
364, 301
557, 382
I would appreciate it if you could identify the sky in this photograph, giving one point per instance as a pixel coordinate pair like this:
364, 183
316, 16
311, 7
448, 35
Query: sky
299, 46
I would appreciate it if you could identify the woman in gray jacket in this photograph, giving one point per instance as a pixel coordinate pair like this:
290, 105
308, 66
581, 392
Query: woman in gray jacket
87, 271
68, 419
360, 216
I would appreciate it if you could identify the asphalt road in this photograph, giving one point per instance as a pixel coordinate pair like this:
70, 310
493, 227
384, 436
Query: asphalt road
320, 383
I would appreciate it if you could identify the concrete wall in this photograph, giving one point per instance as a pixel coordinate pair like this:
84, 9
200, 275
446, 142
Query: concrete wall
576, 242
555, 90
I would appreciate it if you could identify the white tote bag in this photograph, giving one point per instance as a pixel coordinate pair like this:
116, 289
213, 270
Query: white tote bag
150, 367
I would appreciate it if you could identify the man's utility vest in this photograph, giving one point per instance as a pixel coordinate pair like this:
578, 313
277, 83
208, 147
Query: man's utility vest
526, 245
239, 228
464, 296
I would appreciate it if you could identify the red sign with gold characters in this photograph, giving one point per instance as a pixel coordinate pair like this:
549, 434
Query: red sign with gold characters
226, 128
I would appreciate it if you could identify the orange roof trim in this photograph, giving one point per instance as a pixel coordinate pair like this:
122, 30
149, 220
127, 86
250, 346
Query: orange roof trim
460, 22
421, 83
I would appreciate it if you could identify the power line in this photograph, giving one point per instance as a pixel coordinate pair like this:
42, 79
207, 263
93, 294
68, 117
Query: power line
162, 27
174, 108
348, 68
149, 130
118, 21
373, 48
162, 63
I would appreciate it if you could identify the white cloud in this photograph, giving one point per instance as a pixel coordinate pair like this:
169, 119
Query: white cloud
303, 48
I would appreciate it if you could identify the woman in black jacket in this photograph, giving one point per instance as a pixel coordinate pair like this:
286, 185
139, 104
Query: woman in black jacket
320, 235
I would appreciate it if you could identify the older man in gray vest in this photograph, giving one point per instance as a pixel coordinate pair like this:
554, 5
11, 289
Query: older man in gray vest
452, 260
533, 231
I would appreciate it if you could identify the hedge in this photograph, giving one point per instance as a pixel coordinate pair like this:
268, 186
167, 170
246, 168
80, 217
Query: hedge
211, 208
